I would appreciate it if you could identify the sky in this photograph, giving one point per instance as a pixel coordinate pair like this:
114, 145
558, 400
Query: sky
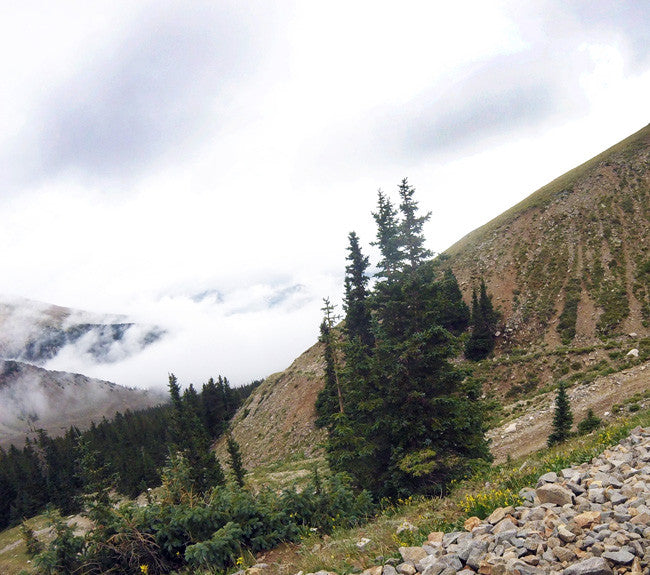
198, 165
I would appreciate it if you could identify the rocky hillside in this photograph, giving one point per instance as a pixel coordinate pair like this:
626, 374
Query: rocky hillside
569, 270
277, 420
571, 263
33, 398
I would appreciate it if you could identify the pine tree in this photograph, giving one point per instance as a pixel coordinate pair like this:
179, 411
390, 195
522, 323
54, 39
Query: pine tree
388, 236
562, 417
411, 236
484, 322
236, 463
357, 318
454, 313
412, 423
330, 399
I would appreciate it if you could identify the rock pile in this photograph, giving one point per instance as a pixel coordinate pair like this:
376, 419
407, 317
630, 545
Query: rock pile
592, 519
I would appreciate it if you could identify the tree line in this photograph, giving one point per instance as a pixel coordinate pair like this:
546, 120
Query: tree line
128, 450
402, 418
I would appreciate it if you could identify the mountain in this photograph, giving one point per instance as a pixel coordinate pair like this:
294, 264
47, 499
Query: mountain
571, 263
37, 332
568, 268
33, 333
33, 398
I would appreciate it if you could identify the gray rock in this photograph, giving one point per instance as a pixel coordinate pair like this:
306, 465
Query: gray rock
554, 493
413, 554
550, 477
592, 566
620, 557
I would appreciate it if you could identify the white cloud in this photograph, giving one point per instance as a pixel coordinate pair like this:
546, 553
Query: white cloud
254, 150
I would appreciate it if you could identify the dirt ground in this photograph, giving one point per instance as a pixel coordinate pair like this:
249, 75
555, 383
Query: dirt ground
529, 431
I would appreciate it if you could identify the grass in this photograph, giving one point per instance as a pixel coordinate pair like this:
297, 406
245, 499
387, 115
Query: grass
15, 560
546, 194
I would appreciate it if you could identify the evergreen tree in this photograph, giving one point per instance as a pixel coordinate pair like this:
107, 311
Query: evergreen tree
411, 237
328, 402
562, 417
484, 322
357, 318
454, 313
190, 437
412, 421
236, 463
388, 236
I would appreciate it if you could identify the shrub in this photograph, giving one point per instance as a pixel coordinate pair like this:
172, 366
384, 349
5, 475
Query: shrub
589, 423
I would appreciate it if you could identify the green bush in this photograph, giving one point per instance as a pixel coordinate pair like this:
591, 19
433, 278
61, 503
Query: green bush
589, 423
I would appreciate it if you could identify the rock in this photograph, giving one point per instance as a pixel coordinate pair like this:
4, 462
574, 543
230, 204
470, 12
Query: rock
435, 537
406, 569
634, 352
591, 566
389, 570
554, 493
619, 557
471, 523
564, 554
550, 477
565, 535
406, 526
587, 518
374, 570
363, 543
413, 554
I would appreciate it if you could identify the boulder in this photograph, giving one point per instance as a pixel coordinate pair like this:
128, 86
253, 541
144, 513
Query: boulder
554, 493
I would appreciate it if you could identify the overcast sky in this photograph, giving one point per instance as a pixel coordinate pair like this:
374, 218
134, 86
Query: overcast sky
199, 165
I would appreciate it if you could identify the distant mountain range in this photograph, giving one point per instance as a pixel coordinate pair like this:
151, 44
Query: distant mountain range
31, 397
36, 332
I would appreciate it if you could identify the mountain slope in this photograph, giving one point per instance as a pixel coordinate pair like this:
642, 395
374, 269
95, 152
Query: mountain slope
568, 268
571, 263
37, 332
33, 398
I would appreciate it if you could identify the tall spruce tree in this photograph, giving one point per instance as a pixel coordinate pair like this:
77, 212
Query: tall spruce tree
411, 236
412, 422
562, 417
190, 437
484, 323
388, 236
357, 317
330, 398
454, 313
235, 460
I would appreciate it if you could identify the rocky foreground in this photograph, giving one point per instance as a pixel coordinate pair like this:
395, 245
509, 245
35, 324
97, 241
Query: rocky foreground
592, 519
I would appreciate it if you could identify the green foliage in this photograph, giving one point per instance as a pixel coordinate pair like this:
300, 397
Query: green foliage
589, 423
63, 555
412, 421
485, 502
357, 313
566, 326
235, 461
484, 323
185, 530
562, 417
33, 545
124, 454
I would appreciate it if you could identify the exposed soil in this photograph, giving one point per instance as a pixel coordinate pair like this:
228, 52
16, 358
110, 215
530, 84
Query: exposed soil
528, 432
